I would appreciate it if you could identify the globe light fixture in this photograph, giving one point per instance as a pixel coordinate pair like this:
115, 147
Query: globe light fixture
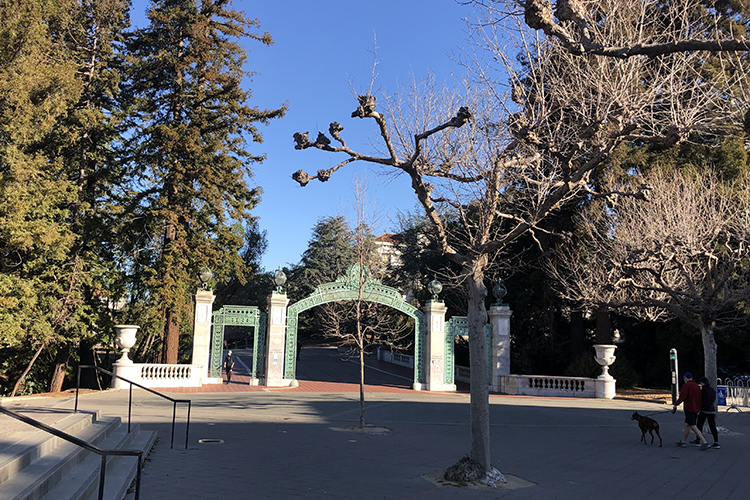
499, 291
434, 287
279, 279
205, 276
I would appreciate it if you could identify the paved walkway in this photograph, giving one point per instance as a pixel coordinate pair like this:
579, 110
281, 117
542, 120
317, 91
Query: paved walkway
276, 444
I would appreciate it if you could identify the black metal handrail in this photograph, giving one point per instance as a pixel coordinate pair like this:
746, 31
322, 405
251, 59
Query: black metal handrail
88, 446
130, 400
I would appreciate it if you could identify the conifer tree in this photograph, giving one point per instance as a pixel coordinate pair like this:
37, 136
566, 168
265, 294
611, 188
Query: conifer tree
188, 162
37, 85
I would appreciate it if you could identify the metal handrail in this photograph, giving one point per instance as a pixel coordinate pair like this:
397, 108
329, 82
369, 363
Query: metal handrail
130, 400
88, 446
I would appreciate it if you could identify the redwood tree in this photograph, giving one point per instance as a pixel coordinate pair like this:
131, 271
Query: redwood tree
189, 167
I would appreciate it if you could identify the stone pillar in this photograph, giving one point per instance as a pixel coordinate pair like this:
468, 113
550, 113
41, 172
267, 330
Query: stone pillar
275, 340
499, 346
204, 300
435, 346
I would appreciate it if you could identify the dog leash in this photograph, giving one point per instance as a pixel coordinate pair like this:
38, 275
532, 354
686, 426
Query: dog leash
659, 412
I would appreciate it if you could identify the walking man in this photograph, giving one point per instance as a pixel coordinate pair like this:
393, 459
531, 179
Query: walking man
690, 396
228, 365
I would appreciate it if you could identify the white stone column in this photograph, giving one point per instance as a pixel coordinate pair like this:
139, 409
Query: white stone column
435, 346
275, 339
204, 300
500, 346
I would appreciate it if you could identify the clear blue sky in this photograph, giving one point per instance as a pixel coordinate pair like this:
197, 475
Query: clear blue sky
322, 51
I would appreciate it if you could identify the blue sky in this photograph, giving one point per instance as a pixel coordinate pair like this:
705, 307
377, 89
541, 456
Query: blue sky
323, 50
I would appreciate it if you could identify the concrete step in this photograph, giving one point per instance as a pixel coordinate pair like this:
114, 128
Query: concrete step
83, 481
15, 457
50, 466
45, 467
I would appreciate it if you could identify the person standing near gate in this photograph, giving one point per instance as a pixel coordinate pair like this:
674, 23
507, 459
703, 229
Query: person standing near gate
228, 365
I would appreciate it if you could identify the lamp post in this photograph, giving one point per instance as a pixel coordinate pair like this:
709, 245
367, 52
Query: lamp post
279, 279
434, 287
499, 291
205, 276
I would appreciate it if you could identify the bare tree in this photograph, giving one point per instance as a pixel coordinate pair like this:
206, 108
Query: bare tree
624, 28
506, 154
361, 324
681, 254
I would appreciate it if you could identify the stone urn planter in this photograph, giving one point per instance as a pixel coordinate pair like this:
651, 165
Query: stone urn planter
125, 340
605, 383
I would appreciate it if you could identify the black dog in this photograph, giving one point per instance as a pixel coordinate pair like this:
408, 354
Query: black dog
647, 425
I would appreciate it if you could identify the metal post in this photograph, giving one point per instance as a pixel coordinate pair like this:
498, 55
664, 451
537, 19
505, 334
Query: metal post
130, 405
101, 477
174, 411
187, 429
78, 384
675, 374
138, 477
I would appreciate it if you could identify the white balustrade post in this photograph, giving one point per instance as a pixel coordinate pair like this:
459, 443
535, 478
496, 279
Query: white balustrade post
275, 340
435, 345
204, 300
500, 346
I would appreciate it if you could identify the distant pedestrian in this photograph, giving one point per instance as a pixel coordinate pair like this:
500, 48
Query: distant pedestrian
708, 411
228, 365
690, 396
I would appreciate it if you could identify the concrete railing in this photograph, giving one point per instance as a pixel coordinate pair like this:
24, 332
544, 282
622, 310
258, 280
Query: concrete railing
158, 375
396, 358
540, 385
551, 386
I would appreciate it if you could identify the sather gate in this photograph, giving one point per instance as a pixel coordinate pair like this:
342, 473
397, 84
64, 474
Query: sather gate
347, 287
275, 339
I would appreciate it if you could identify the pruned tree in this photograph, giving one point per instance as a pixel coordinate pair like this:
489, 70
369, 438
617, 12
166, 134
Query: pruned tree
682, 254
506, 154
623, 29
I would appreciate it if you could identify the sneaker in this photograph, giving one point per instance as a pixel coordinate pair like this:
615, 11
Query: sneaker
696, 442
715, 446
705, 446
681, 444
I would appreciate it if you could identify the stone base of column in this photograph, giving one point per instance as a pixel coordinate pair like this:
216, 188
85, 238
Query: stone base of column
605, 387
126, 370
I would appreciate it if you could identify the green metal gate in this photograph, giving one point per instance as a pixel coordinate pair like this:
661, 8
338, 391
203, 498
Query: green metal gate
459, 325
239, 316
347, 288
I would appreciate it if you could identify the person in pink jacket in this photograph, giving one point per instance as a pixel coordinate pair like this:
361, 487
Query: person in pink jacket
690, 397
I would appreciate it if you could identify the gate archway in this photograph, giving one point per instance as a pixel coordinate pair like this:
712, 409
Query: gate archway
239, 316
347, 287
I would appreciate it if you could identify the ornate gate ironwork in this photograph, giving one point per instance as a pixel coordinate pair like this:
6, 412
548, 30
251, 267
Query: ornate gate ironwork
348, 288
239, 316
459, 325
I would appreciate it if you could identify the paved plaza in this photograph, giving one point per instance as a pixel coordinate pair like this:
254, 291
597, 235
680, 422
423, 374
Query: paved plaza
262, 443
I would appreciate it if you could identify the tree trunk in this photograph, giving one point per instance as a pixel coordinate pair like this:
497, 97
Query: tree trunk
361, 342
480, 394
709, 354
61, 367
171, 339
19, 382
